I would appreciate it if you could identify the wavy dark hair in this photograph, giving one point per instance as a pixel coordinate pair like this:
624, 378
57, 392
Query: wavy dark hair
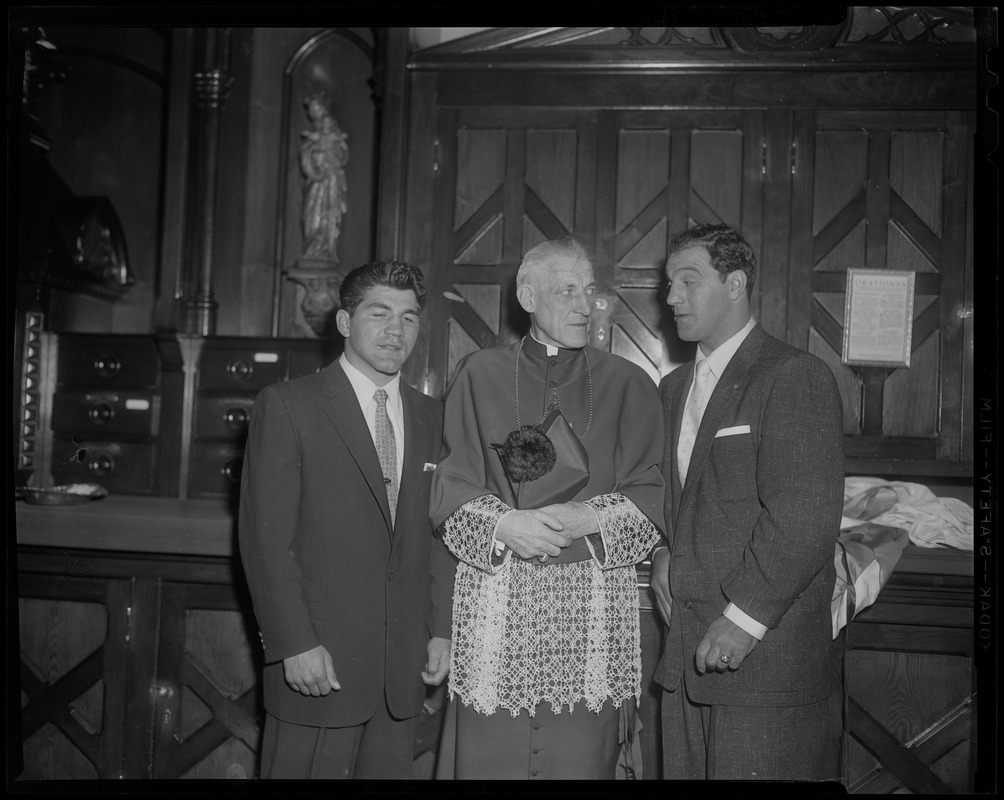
728, 249
392, 274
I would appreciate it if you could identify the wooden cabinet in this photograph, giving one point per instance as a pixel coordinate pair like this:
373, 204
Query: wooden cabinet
166, 683
162, 415
139, 651
105, 412
909, 680
134, 663
139, 656
228, 373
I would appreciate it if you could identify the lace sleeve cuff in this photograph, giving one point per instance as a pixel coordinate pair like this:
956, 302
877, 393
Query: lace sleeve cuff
469, 532
626, 535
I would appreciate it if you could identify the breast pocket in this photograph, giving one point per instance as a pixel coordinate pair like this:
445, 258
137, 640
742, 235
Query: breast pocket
733, 466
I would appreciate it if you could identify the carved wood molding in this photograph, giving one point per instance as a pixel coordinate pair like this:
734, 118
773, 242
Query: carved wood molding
875, 33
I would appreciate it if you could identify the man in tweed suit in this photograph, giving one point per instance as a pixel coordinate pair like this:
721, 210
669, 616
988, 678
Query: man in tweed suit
754, 472
350, 587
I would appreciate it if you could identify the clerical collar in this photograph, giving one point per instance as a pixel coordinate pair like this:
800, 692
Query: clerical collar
552, 349
537, 349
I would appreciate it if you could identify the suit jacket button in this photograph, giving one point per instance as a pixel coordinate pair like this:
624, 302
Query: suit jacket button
391, 576
688, 605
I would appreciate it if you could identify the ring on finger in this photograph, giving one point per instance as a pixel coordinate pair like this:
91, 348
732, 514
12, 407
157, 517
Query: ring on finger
724, 658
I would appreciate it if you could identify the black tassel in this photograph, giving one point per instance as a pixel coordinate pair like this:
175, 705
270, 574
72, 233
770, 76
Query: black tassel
527, 454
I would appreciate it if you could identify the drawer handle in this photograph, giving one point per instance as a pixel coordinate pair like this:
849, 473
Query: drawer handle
240, 369
236, 418
232, 470
101, 466
101, 413
107, 365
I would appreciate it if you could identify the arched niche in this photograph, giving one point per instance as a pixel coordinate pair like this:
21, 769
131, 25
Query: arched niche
339, 69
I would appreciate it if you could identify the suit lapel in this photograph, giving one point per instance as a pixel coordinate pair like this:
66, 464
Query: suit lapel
723, 401
677, 398
677, 401
342, 408
414, 437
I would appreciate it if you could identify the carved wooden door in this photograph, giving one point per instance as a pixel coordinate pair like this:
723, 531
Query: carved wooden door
506, 180
624, 181
887, 190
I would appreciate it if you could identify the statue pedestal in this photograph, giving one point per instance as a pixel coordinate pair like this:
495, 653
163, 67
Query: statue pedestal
316, 283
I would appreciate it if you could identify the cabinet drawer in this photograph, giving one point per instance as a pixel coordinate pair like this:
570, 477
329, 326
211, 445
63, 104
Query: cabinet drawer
107, 361
105, 413
121, 467
215, 469
247, 368
223, 417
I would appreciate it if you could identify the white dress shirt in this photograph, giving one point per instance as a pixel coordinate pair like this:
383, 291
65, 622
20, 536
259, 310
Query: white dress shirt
364, 389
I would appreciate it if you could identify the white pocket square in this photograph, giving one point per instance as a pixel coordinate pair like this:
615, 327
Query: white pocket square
733, 431
429, 467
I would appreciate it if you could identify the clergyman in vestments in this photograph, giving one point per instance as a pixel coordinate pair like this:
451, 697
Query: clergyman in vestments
546, 658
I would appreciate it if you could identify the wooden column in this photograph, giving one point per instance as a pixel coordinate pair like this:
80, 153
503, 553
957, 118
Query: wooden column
212, 87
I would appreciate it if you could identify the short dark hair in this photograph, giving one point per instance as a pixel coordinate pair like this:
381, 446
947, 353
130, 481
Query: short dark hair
392, 274
728, 249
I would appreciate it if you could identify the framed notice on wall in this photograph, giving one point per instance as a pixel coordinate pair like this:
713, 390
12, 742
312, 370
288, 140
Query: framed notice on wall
878, 318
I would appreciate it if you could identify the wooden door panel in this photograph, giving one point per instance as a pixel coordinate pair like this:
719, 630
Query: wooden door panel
916, 172
716, 176
674, 170
482, 154
878, 198
511, 181
623, 181
849, 382
59, 638
550, 178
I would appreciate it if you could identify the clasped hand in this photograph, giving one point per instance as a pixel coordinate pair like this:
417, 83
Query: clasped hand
546, 531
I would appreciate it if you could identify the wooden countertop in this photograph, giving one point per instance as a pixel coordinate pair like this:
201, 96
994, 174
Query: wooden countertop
206, 527
935, 560
131, 524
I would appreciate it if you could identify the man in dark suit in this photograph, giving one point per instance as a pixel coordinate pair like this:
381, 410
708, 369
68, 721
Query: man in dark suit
754, 472
350, 588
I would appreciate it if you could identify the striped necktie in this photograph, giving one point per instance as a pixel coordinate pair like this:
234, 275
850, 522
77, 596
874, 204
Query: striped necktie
386, 447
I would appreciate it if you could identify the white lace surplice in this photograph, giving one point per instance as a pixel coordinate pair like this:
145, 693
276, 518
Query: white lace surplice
525, 634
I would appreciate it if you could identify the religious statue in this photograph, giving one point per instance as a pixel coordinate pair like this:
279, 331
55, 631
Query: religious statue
323, 154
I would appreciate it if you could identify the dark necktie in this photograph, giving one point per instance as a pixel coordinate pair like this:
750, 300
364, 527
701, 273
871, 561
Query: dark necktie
386, 448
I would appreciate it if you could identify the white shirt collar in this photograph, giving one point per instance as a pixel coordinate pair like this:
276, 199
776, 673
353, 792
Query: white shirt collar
364, 387
722, 355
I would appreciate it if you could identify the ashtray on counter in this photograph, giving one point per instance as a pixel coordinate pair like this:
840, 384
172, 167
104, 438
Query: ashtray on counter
69, 494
